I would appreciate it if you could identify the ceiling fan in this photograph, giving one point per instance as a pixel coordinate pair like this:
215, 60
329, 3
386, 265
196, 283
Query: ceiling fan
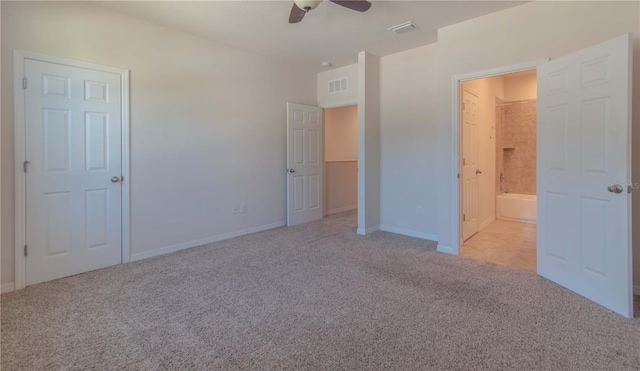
302, 7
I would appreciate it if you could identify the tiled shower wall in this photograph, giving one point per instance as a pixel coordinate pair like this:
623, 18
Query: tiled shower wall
516, 147
499, 153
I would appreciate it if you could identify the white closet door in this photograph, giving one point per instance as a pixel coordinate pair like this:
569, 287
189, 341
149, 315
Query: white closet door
73, 188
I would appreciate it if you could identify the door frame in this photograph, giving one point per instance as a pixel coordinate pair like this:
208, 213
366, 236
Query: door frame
19, 126
456, 169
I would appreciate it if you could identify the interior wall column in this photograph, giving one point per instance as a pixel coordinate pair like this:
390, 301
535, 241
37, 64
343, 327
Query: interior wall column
368, 143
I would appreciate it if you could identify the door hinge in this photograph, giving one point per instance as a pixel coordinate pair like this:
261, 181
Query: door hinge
24, 82
25, 250
25, 166
464, 161
464, 217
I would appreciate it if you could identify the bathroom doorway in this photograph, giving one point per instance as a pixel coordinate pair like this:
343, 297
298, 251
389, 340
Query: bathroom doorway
498, 169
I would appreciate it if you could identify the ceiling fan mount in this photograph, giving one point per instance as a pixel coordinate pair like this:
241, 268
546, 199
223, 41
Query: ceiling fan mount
307, 5
302, 7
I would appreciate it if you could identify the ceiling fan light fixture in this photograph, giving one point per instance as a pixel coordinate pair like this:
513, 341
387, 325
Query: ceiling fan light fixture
307, 5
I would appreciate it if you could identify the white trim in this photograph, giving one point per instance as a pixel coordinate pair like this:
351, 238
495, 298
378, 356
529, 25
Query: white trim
204, 241
636, 290
364, 232
353, 102
455, 137
406, 232
20, 180
19, 151
342, 209
520, 67
7, 287
126, 170
446, 249
489, 220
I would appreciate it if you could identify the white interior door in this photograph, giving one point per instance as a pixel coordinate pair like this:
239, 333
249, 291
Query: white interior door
304, 163
584, 168
73, 189
470, 138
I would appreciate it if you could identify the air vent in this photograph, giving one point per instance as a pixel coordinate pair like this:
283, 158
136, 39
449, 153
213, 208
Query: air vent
338, 86
403, 27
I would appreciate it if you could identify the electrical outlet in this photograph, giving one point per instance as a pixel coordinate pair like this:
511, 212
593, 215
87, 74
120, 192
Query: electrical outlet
243, 208
419, 210
234, 209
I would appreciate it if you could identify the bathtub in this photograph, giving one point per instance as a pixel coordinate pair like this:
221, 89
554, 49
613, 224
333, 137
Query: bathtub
516, 207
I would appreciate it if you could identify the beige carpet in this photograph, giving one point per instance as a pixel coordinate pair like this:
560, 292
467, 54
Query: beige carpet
312, 297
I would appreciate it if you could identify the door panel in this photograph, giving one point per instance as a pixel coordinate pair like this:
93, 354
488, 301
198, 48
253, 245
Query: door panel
97, 214
96, 141
470, 155
304, 163
584, 131
73, 134
298, 193
57, 226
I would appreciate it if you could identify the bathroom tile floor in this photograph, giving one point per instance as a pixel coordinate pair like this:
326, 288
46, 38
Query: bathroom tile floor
506, 243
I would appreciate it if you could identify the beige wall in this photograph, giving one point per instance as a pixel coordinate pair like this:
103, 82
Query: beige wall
529, 32
520, 86
341, 133
409, 142
202, 113
326, 99
341, 186
487, 90
341, 159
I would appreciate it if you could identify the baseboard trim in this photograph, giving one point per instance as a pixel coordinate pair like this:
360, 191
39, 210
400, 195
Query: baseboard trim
364, 232
7, 287
407, 232
342, 209
204, 241
490, 220
446, 249
636, 290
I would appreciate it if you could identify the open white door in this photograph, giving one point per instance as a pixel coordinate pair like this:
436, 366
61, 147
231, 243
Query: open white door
304, 163
470, 149
584, 169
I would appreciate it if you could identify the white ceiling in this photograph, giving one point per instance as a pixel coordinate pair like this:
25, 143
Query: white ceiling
328, 33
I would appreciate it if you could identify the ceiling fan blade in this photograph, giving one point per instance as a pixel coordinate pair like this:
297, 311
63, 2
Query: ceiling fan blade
296, 14
358, 5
